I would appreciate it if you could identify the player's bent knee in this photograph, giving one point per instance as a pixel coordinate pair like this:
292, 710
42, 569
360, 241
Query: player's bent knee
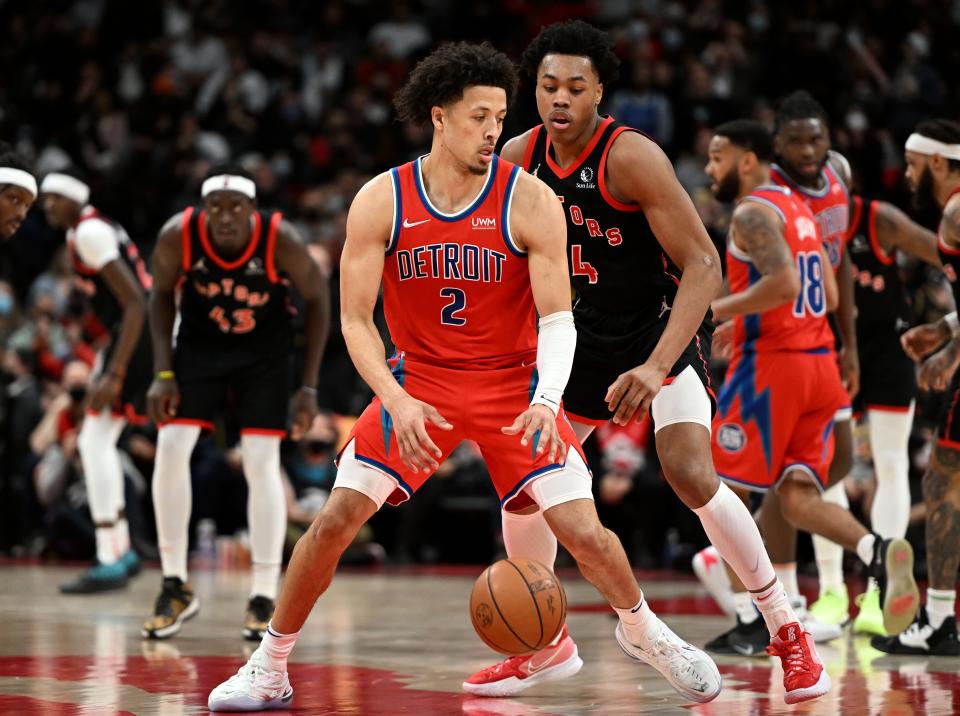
798, 495
571, 482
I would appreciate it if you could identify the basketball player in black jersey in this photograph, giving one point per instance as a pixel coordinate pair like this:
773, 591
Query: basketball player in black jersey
18, 190
108, 270
933, 173
644, 271
233, 340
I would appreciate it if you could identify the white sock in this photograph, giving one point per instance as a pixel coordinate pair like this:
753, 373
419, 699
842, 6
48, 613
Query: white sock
277, 647
640, 624
103, 475
123, 536
774, 606
746, 612
941, 603
787, 574
172, 498
266, 510
828, 554
529, 536
889, 438
730, 527
865, 548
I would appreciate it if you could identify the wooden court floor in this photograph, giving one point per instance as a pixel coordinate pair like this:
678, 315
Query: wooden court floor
398, 642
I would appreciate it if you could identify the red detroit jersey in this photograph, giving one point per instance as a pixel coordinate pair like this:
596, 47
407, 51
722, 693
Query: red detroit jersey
830, 206
800, 325
456, 288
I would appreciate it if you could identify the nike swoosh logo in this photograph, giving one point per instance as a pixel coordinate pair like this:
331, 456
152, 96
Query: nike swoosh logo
407, 224
532, 666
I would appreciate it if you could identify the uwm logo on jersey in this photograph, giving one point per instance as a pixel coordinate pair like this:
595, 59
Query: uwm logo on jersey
483, 222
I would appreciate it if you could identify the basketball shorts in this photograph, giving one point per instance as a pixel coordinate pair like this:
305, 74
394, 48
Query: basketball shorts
888, 378
948, 425
775, 413
609, 344
132, 403
478, 403
212, 380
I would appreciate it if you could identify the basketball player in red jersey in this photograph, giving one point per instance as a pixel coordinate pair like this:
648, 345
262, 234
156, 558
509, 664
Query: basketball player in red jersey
782, 388
109, 271
234, 336
819, 177
644, 271
18, 190
478, 247
933, 173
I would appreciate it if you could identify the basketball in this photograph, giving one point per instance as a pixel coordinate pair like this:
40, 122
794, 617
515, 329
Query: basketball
517, 606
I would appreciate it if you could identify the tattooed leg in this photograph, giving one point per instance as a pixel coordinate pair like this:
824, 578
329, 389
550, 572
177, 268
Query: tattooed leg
941, 493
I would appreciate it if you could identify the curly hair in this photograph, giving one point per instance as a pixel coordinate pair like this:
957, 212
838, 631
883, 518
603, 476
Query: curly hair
573, 37
799, 105
441, 78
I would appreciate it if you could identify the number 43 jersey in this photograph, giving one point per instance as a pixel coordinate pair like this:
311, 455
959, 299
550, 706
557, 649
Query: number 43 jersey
456, 287
236, 302
799, 325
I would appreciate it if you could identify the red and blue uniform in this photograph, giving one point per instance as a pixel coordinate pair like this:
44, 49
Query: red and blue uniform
776, 408
460, 312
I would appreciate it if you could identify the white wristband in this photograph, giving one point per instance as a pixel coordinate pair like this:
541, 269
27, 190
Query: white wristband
556, 344
952, 322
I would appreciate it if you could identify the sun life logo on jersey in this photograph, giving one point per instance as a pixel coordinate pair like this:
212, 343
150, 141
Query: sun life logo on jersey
254, 267
586, 179
731, 437
483, 222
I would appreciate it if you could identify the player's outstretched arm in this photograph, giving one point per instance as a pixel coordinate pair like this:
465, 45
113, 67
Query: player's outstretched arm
293, 259
163, 396
758, 231
896, 230
369, 225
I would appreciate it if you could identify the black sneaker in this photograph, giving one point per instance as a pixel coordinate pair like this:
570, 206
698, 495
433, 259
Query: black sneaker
259, 612
892, 567
922, 639
175, 604
99, 578
742, 640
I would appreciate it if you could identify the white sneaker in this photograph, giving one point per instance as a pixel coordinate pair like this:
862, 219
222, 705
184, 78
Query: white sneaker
690, 671
712, 573
818, 630
253, 688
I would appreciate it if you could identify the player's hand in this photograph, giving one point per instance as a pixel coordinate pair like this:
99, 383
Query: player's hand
105, 392
163, 399
722, 343
303, 408
410, 417
920, 341
538, 423
849, 361
937, 370
633, 391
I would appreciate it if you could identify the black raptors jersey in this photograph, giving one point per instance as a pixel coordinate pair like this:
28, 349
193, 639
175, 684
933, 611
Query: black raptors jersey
240, 302
615, 260
102, 301
881, 300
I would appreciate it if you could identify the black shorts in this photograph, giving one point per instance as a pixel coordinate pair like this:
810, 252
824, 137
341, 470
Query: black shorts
609, 344
132, 403
212, 379
888, 378
948, 426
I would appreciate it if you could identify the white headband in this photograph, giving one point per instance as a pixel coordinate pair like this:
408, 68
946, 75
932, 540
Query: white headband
229, 182
20, 178
66, 185
925, 145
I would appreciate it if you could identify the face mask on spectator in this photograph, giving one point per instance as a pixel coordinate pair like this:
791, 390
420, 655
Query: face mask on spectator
317, 447
77, 393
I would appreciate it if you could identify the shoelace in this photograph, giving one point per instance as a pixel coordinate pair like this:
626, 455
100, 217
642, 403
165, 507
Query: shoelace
510, 661
792, 653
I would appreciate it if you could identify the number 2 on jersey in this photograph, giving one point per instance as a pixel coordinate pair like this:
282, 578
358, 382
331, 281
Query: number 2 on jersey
812, 299
581, 267
448, 316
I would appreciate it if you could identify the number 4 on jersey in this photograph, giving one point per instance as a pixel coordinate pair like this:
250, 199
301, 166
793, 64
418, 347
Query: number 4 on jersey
581, 267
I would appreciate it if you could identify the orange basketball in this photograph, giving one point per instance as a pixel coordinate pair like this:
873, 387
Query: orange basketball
517, 606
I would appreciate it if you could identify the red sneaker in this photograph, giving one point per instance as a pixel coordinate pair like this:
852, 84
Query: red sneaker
517, 673
804, 677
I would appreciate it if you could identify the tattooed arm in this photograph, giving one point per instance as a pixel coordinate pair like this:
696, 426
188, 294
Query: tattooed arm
758, 232
937, 370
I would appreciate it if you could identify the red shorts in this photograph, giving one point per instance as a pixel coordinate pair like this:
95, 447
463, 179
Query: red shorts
478, 403
775, 413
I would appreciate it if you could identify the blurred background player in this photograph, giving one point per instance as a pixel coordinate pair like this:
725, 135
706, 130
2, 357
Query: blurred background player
782, 388
109, 271
233, 340
479, 291
18, 190
645, 271
933, 174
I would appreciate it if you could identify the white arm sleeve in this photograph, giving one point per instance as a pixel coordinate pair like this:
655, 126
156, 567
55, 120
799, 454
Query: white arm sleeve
97, 243
555, 347
952, 322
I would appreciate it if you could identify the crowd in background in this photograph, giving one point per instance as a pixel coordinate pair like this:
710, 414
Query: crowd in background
146, 96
